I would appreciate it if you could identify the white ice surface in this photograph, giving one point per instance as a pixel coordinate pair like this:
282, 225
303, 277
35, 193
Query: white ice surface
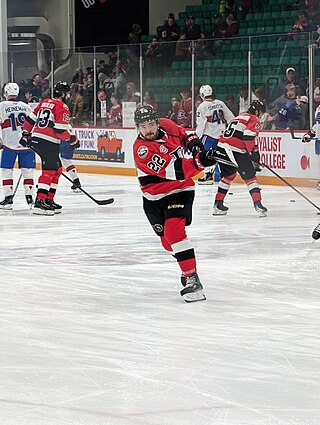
94, 331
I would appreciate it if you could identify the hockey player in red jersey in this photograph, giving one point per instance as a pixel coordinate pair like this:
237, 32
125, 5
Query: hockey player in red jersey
165, 178
43, 130
239, 140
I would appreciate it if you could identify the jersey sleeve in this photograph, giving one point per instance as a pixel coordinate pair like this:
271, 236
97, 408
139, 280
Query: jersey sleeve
31, 119
228, 115
201, 120
61, 123
251, 131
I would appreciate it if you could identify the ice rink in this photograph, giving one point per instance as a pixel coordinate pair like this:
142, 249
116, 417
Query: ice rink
95, 332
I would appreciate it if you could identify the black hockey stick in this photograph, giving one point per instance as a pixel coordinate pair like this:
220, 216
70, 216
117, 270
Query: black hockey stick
289, 184
102, 202
17, 185
298, 138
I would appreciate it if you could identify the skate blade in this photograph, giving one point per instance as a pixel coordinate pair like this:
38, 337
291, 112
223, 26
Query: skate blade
6, 207
262, 213
208, 182
37, 211
218, 212
192, 297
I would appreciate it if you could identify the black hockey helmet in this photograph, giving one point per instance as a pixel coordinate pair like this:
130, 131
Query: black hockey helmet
256, 105
145, 113
60, 88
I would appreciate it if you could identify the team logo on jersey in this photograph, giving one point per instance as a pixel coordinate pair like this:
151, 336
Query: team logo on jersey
158, 228
142, 151
163, 149
257, 126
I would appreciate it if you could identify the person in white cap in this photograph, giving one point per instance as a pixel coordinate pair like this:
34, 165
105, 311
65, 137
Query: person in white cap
289, 80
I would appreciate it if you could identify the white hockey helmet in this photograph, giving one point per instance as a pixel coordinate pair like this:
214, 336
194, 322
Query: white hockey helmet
11, 89
205, 91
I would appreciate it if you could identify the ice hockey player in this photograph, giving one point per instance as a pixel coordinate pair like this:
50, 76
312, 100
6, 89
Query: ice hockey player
165, 178
212, 117
239, 139
314, 133
12, 116
43, 129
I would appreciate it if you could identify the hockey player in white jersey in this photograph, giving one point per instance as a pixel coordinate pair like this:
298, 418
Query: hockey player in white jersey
314, 133
12, 116
211, 118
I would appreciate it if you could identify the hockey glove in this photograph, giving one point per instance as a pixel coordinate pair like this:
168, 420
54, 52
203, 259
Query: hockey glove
26, 139
207, 158
74, 142
308, 136
193, 144
255, 155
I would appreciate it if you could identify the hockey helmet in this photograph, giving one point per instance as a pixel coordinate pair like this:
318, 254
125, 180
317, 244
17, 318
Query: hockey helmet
60, 88
145, 113
257, 105
205, 91
11, 89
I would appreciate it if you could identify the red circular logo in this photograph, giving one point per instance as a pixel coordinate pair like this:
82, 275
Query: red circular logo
304, 162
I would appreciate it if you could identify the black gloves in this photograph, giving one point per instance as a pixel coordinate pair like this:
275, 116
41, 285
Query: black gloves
255, 157
74, 142
308, 136
193, 144
26, 139
207, 158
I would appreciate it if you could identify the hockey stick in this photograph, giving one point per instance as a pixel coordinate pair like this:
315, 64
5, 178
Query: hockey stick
17, 185
102, 202
289, 184
298, 138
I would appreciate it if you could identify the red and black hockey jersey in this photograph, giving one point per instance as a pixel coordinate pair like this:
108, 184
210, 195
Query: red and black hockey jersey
49, 121
162, 168
241, 133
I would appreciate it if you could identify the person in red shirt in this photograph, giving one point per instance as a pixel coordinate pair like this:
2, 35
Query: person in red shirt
42, 131
165, 178
238, 140
115, 112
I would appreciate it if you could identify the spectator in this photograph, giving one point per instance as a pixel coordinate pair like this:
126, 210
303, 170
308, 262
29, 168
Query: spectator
29, 97
102, 108
288, 112
303, 103
111, 60
291, 80
131, 70
192, 30
131, 90
87, 94
231, 104
75, 104
245, 102
173, 113
150, 100
226, 6
171, 28
316, 97
232, 26
301, 24
219, 26
137, 98
185, 109
135, 39
35, 86
78, 76
115, 112
182, 47
154, 57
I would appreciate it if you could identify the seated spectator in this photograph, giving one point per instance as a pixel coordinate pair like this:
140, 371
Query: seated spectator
301, 24
232, 27
171, 29
173, 113
149, 99
192, 30
219, 25
78, 76
35, 86
76, 105
131, 90
185, 109
232, 104
291, 79
29, 97
115, 112
303, 103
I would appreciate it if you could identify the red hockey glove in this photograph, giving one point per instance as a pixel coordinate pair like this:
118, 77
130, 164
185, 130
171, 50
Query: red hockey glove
193, 144
308, 136
74, 142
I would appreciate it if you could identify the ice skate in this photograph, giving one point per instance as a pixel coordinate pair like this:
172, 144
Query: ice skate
219, 208
318, 185
40, 207
56, 207
76, 186
6, 204
261, 210
30, 201
192, 292
206, 179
